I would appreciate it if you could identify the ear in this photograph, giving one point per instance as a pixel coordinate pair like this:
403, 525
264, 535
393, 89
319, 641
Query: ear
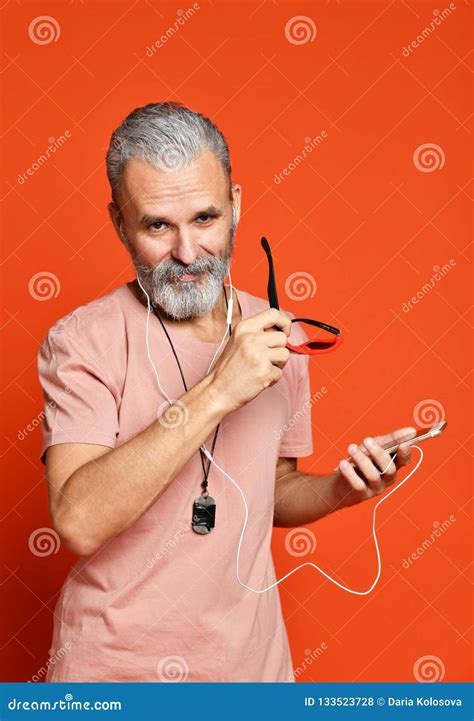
236, 199
114, 214
116, 219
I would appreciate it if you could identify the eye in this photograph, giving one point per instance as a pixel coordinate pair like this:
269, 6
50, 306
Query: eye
153, 225
203, 219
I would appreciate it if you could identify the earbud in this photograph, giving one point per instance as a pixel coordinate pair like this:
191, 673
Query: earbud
229, 311
231, 301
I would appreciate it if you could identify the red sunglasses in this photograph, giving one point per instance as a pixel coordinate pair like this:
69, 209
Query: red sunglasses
310, 347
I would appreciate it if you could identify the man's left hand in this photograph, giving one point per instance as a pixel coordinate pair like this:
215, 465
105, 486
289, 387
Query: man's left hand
363, 480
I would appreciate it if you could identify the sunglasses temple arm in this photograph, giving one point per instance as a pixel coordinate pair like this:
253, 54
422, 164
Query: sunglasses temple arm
273, 297
271, 288
318, 323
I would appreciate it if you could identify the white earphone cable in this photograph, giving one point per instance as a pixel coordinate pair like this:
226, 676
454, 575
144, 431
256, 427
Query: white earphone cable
310, 563
228, 321
147, 341
209, 455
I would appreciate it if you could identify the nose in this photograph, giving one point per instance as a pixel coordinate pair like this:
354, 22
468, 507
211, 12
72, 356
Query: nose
184, 248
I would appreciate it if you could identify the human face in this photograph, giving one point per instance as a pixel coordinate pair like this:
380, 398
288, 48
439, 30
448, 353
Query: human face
179, 228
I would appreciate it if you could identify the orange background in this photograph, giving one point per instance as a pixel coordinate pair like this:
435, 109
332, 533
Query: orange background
356, 214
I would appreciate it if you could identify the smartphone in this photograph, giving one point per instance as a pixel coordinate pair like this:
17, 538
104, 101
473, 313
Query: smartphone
421, 435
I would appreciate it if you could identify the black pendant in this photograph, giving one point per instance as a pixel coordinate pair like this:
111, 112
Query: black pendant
204, 514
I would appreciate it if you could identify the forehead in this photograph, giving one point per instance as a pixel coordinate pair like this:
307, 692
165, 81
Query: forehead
146, 188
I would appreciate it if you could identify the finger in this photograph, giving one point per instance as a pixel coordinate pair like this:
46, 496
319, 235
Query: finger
279, 356
382, 459
403, 455
268, 318
355, 482
401, 434
362, 448
363, 462
275, 339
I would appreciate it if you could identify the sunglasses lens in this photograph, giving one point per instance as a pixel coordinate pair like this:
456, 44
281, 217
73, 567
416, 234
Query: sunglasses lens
322, 343
319, 344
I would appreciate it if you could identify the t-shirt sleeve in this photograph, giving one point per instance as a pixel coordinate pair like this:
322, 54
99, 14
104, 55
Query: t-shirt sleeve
79, 402
297, 437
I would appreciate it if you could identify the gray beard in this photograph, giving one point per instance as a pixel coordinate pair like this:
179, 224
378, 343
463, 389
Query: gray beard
184, 300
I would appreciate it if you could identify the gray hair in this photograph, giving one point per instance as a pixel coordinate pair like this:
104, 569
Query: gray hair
167, 135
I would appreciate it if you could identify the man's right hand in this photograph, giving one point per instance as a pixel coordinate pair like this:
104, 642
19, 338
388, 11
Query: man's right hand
253, 358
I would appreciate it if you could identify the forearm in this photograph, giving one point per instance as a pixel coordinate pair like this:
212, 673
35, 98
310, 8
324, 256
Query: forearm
105, 496
302, 498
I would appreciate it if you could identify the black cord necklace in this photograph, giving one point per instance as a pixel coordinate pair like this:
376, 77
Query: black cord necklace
204, 507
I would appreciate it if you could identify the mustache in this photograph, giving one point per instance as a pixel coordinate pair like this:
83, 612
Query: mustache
169, 270
172, 269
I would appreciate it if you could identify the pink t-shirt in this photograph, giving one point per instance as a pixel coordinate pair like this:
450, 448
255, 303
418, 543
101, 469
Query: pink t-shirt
160, 602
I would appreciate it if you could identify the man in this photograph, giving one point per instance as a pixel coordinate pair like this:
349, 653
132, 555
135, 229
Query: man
149, 598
